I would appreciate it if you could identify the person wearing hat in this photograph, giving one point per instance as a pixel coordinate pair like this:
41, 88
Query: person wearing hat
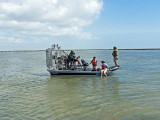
104, 68
72, 57
94, 63
115, 55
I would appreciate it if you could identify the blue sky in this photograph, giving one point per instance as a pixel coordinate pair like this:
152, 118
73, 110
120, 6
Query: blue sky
80, 24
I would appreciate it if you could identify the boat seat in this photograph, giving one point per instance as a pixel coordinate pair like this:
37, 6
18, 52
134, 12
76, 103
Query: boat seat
84, 63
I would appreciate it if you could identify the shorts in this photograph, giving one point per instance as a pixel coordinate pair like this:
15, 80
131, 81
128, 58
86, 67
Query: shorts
115, 58
94, 66
104, 69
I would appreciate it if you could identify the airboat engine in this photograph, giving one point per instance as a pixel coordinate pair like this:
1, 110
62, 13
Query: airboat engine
56, 59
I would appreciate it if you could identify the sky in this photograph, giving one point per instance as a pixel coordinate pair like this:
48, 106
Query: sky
79, 24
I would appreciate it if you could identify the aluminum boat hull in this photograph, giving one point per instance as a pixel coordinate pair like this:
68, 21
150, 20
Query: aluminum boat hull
73, 72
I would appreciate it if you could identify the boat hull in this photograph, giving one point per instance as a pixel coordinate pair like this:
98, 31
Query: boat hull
72, 72
68, 72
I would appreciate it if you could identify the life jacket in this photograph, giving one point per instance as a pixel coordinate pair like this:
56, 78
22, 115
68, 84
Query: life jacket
94, 62
115, 52
104, 66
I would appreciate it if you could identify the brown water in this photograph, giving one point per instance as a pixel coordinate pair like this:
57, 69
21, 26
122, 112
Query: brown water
28, 92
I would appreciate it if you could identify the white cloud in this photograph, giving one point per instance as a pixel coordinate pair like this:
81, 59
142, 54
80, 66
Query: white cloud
1, 33
10, 40
49, 17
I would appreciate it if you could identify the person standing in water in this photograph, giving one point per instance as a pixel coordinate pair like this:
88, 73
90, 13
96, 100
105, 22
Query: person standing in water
105, 68
115, 55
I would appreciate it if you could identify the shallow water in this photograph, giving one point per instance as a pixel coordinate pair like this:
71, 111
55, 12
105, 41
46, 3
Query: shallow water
27, 91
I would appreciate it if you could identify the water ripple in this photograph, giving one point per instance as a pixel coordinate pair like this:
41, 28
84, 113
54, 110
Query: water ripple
28, 92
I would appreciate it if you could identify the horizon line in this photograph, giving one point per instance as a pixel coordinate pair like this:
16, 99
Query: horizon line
79, 50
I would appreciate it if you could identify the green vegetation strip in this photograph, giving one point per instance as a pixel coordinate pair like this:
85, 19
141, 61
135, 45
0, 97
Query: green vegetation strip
79, 50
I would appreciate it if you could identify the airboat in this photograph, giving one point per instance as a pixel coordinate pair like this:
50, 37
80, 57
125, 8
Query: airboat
57, 63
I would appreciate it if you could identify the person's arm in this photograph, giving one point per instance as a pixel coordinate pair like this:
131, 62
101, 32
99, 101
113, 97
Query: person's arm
90, 62
107, 66
73, 56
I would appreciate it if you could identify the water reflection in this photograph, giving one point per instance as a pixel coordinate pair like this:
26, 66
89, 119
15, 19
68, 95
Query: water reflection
74, 84
78, 95
115, 86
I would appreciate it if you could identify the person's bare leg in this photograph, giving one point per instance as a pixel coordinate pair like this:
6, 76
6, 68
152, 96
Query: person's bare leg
116, 64
96, 69
79, 62
102, 72
105, 72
